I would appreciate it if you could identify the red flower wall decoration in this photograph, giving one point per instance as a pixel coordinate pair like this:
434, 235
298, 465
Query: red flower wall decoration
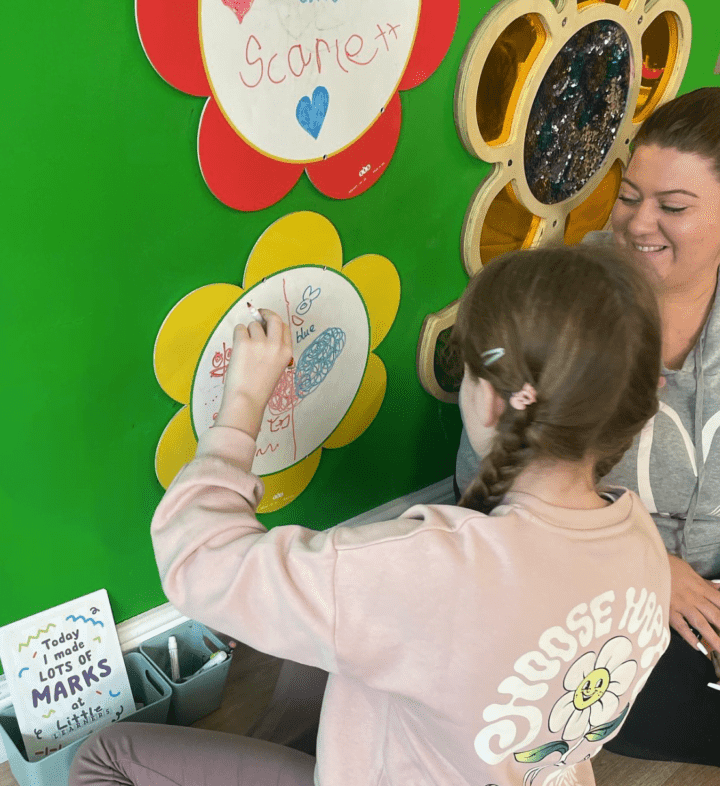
295, 85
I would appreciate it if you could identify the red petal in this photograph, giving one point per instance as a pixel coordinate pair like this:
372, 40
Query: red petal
359, 166
170, 37
238, 175
438, 19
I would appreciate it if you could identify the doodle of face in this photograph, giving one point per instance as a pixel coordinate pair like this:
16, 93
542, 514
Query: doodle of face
592, 688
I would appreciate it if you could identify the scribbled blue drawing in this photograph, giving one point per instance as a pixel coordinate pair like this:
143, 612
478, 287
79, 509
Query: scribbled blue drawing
114, 695
311, 114
22, 670
84, 619
309, 295
317, 360
36, 636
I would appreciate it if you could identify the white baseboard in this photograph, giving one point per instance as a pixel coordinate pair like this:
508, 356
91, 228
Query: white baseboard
134, 631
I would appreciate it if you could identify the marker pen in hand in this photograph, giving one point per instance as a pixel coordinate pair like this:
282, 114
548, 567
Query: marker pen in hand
258, 317
174, 662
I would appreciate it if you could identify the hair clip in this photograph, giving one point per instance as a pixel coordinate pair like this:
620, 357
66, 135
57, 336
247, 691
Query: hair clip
523, 397
491, 355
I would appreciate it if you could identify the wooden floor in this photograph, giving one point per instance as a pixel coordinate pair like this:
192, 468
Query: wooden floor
250, 685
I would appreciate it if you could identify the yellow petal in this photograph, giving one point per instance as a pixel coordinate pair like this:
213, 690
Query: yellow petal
379, 284
184, 333
283, 487
302, 238
176, 447
365, 406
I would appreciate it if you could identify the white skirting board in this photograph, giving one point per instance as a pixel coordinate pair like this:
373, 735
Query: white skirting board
150, 623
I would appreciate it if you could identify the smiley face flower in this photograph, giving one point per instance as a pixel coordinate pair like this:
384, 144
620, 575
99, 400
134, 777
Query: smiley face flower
295, 86
338, 314
594, 685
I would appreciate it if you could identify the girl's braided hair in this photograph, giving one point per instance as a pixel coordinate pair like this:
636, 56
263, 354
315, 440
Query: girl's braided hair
581, 325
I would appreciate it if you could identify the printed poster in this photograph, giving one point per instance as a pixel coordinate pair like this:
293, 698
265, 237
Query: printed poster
66, 673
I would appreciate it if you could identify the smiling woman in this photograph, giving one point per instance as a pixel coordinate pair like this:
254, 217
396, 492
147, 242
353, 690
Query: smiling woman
667, 217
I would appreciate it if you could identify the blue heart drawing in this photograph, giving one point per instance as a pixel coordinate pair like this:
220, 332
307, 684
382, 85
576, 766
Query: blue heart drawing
311, 114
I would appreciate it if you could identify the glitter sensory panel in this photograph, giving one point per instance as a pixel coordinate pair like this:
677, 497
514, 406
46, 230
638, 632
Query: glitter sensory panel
577, 111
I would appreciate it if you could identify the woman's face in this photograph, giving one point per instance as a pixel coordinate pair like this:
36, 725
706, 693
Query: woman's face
668, 215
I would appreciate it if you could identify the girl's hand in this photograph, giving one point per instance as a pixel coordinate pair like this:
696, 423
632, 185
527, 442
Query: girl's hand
259, 356
693, 601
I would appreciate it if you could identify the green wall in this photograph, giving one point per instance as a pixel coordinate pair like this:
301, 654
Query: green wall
107, 223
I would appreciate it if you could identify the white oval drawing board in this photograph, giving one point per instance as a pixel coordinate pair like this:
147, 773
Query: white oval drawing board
331, 343
301, 80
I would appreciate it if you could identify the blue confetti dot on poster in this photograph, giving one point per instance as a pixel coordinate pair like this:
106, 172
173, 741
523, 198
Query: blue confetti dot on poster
317, 360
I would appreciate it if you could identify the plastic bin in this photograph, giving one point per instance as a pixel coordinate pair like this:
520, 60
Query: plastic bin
196, 695
148, 687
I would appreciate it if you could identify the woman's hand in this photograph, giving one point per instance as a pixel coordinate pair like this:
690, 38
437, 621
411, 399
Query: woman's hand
259, 356
693, 601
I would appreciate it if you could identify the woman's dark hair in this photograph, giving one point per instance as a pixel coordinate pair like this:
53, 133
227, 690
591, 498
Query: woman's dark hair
581, 325
689, 123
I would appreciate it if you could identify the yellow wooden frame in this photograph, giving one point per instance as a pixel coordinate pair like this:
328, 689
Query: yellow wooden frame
503, 214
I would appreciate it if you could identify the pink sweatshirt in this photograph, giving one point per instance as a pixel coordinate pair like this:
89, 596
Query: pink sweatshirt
462, 648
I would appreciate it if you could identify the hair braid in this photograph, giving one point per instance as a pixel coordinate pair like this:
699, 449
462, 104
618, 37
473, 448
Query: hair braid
509, 454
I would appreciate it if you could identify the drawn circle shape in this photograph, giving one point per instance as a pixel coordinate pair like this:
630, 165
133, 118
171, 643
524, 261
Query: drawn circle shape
577, 111
301, 81
330, 332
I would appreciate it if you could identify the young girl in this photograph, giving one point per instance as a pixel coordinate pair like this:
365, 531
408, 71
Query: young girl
462, 648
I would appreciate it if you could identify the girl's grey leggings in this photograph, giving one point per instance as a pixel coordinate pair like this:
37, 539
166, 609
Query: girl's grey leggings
152, 754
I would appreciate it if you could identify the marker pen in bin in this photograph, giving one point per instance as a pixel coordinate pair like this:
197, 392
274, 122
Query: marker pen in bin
174, 662
215, 659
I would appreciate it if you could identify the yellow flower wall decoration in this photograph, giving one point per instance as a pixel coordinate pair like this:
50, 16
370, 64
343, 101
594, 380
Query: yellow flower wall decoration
332, 391
552, 94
